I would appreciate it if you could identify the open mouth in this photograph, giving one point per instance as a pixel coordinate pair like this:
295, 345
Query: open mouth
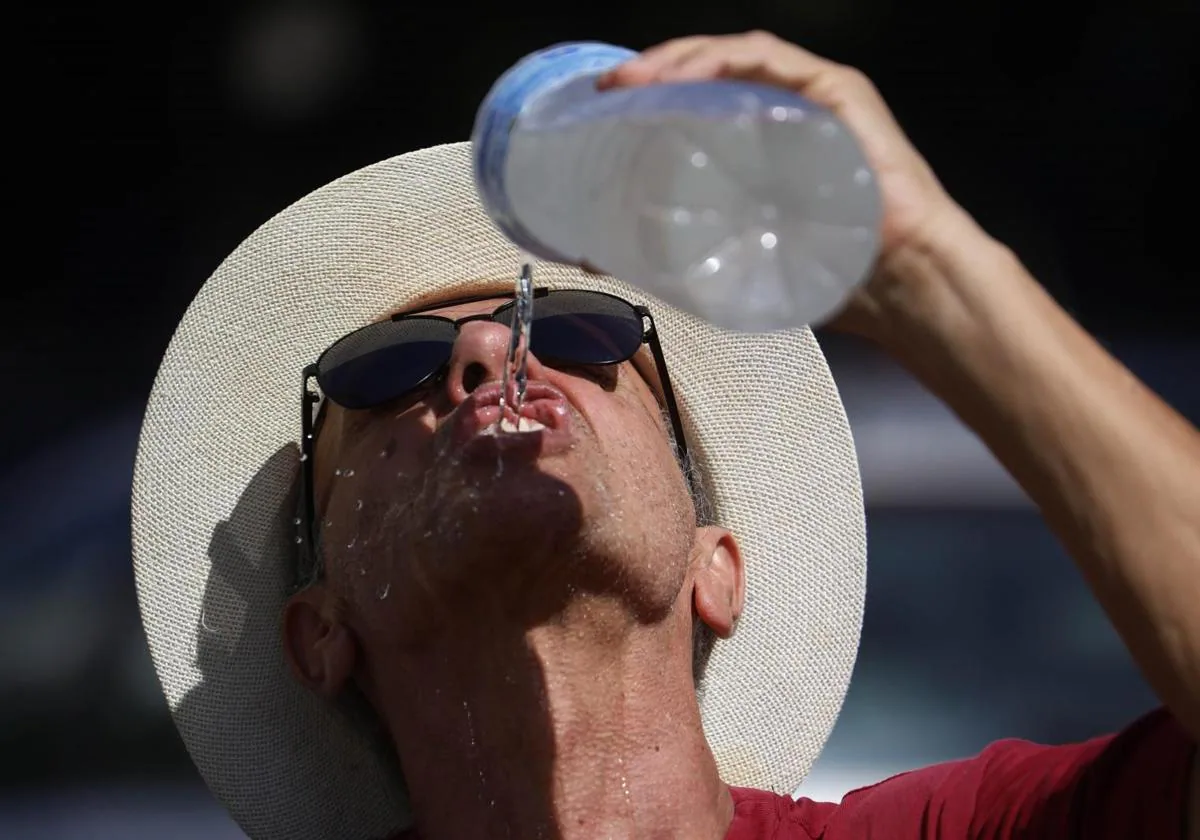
538, 414
545, 416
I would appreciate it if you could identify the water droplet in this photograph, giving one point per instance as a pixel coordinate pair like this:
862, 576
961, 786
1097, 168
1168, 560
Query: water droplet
303, 456
299, 539
699, 160
362, 572
296, 521
470, 723
383, 453
349, 473
383, 592
779, 113
862, 176
328, 523
338, 471
358, 505
768, 240
350, 544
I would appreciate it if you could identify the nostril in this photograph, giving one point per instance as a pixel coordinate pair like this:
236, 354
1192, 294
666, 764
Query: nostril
473, 376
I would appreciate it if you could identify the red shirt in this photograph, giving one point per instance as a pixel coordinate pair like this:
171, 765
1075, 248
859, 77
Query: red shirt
1119, 787
1125, 787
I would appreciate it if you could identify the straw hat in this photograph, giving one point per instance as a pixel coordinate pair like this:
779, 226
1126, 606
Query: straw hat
214, 498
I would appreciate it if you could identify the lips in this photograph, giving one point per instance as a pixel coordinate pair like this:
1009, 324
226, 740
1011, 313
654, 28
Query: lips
545, 419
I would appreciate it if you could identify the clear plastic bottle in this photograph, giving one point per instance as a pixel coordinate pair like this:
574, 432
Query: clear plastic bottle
744, 204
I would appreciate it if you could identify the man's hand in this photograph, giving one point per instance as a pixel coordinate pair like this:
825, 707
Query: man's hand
917, 211
911, 194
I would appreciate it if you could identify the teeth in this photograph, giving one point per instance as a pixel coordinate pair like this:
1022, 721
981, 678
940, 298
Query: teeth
523, 424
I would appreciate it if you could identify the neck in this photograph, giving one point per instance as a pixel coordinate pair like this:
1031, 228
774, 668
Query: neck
585, 727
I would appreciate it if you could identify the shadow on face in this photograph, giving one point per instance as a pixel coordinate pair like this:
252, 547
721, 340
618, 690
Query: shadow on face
266, 735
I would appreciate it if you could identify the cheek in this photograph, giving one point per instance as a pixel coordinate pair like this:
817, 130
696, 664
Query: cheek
653, 425
378, 463
639, 445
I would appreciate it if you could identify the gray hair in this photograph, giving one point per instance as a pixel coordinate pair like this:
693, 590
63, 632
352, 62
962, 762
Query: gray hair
703, 636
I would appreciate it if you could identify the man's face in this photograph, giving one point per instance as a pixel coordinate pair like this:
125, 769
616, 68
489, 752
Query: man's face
423, 514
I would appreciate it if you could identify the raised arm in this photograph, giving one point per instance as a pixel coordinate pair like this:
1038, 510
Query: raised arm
1115, 471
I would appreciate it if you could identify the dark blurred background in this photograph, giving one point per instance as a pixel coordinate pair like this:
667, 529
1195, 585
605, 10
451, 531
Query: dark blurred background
161, 138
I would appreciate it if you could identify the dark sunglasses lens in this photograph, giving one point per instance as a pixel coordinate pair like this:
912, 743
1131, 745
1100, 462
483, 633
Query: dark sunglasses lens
384, 361
581, 327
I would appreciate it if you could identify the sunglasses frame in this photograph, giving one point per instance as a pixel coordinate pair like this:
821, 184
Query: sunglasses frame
310, 423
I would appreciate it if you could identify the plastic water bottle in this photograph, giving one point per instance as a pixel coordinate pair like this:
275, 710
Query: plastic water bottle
742, 203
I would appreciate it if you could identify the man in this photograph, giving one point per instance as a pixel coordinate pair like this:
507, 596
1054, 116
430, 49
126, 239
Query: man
501, 635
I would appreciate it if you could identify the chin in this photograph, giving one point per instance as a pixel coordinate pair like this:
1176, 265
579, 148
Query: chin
488, 525
515, 509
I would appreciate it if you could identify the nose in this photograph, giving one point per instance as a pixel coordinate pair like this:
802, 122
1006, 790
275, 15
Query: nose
479, 356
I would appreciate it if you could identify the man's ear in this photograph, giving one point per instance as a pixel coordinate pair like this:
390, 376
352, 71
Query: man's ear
319, 648
719, 586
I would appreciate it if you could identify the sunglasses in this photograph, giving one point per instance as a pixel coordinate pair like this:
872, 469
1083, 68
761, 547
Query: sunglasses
388, 360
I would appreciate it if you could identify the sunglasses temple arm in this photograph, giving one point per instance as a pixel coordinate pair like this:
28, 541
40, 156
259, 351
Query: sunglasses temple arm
668, 391
307, 504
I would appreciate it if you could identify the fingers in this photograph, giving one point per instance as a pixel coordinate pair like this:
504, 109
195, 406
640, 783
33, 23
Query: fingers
647, 66
756, 57
762, 58
752, 56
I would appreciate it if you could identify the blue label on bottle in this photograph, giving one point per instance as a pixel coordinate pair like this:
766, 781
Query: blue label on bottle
512, 92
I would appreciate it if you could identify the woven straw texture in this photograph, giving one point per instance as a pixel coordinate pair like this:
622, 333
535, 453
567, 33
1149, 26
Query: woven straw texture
214, 487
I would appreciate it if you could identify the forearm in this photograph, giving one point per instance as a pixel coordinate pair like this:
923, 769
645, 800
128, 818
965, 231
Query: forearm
1115, 471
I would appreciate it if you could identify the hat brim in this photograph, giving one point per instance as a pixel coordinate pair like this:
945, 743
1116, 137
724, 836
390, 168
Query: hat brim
213, 500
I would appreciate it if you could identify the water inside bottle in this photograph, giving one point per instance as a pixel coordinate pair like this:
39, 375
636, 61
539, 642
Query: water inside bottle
734, 204
516, 375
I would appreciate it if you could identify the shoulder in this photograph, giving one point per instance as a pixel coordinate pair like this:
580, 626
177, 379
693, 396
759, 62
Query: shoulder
1132, 784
